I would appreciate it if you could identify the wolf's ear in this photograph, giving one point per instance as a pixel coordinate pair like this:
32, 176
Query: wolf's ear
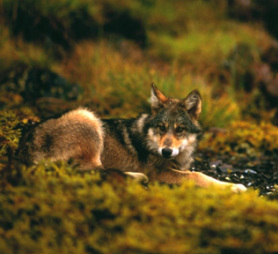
158, 99
193, 104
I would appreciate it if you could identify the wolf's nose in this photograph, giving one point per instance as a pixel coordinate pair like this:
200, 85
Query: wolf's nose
167, 152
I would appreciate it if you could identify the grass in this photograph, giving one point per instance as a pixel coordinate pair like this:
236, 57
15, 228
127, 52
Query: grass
119, 83
184, 51
15, 51
207, 48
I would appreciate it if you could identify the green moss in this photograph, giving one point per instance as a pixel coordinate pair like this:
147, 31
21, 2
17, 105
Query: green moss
243, 139
11, 124
58, 209
9, 135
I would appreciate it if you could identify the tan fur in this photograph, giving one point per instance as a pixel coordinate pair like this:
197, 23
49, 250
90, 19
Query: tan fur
126, 145
71, 127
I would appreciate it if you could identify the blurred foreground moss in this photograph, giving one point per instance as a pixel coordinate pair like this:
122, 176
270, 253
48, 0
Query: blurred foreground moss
56, 209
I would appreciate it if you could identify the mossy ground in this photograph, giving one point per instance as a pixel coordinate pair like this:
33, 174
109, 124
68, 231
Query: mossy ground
56, 209
53, 208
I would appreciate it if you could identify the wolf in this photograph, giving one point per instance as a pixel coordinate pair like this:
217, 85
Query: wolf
159, 145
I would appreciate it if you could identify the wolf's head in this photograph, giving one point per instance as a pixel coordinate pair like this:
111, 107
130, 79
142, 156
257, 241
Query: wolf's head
173, 125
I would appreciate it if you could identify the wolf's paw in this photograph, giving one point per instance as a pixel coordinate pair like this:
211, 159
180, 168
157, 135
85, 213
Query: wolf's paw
238, 188
140, 177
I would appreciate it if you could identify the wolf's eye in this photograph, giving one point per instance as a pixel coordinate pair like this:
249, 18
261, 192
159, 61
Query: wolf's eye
179, 129
162, 128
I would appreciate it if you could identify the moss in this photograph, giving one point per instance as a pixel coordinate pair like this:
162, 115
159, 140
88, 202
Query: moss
57, 209
11, 124
243, 138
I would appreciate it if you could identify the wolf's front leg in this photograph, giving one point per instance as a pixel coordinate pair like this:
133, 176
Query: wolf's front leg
200, 179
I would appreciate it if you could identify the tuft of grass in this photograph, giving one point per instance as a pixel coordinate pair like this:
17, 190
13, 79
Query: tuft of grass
207, 48
116, 82
220, 112
16, 51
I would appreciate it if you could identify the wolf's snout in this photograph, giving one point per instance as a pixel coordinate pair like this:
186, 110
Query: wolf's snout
167, 152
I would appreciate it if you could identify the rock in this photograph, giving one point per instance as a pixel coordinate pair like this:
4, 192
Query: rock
270, 56
274, 120
215, 164
33, 83
272, 87
259, 10
263, 73
46, 83
250, 171
268, 83
226, 168
240, 63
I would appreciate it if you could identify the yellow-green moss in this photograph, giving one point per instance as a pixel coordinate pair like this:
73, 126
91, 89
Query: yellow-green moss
58, 210
11, 124
243, 138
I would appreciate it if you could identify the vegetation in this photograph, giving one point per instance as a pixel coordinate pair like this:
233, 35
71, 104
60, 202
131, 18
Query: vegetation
244, 139
102, 54
55, 209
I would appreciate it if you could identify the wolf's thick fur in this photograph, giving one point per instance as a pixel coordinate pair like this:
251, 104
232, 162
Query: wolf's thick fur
159, 144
